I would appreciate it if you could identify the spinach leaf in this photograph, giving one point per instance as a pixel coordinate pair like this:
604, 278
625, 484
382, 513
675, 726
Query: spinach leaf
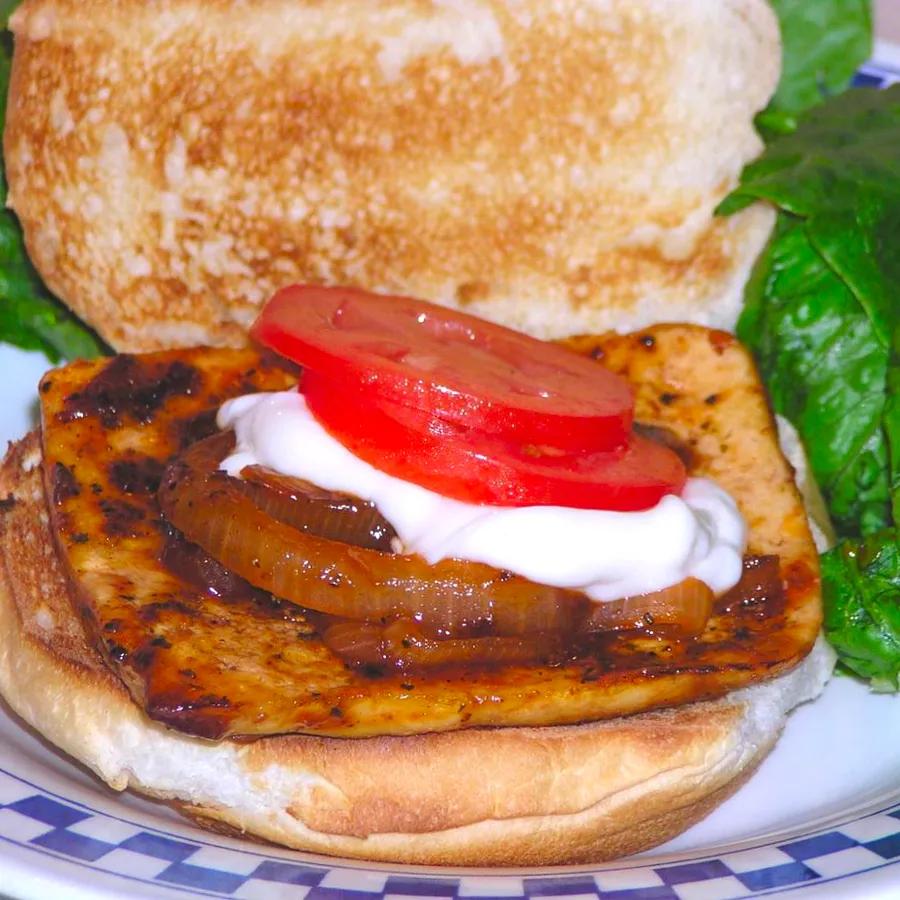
823, 305
861, 587
825, 371
825, 42
823, 317
7, 8
843, 155
30, 316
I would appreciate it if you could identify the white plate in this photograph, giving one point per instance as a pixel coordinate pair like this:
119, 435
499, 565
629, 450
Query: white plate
821, 816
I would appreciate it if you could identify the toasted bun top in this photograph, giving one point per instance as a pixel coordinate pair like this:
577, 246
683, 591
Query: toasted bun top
550, 165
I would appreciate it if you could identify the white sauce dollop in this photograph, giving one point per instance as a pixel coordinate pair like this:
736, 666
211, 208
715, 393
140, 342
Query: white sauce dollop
607, 555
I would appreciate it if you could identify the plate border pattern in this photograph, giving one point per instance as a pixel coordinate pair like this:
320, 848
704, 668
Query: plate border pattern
89, 838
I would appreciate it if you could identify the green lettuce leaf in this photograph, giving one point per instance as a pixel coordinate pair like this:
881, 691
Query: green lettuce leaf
7, 8
823, 318
825, 370
825, 42
823, 305
861, 585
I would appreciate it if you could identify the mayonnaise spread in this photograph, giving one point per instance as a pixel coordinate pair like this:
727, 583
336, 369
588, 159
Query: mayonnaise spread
607, 555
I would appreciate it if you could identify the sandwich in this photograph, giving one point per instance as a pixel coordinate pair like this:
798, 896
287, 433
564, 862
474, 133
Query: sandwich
139, 639
503, 734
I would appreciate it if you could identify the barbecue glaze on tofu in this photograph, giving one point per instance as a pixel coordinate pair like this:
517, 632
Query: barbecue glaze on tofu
237, 662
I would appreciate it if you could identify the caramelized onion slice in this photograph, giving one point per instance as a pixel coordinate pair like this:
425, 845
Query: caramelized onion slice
452, 598
403, 645
269, 530
680, 611
328, 514
683, 608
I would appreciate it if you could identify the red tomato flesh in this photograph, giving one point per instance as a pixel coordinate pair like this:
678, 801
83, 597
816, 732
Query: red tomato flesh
476, 468
450, 366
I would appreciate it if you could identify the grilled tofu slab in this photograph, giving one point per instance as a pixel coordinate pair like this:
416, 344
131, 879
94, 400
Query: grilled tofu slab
242, 663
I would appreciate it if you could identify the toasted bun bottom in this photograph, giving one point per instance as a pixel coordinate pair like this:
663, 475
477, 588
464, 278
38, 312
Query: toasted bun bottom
516, 796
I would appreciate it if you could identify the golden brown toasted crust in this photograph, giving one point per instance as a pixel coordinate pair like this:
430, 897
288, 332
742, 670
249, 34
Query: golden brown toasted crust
633, 826
32, 563
550, 165
188, 658
520, 796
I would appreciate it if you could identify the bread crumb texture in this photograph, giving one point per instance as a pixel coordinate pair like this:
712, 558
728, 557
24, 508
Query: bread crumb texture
552, 164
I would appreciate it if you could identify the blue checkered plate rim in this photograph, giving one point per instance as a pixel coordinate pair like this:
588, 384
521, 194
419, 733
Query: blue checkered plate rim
64, 834
66, 843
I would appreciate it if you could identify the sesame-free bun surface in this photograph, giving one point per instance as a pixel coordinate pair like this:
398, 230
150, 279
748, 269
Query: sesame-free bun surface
515, 796
550, 165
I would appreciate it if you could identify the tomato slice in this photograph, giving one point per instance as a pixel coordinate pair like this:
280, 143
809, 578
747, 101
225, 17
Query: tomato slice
453, 367
476, 468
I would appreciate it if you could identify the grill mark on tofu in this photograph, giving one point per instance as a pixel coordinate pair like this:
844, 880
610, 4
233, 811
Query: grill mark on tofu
130, 388
141, 475
65, 487
121, 519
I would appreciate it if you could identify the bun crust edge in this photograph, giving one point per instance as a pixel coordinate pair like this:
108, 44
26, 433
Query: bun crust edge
516, 796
